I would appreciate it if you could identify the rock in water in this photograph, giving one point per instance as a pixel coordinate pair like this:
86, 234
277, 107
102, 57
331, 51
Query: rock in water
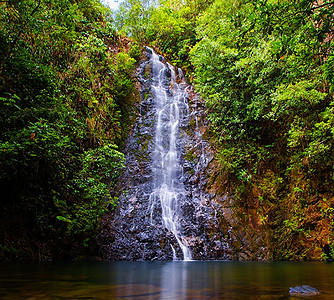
304, 290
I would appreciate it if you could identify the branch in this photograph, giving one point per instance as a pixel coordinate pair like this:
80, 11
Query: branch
322, 5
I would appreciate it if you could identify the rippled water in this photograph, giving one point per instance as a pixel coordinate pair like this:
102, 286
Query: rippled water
163, 280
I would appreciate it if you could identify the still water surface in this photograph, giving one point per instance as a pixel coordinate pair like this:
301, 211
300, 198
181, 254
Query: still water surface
163, 280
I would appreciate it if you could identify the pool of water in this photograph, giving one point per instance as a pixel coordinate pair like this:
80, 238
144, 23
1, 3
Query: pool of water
164, 280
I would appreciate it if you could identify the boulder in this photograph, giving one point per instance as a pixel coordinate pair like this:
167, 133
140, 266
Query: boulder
304, 290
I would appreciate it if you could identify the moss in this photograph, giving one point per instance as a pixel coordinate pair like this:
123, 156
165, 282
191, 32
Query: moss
141, 157
190, 155
146, 95
145, 146
192, 123
148, 70
162, 243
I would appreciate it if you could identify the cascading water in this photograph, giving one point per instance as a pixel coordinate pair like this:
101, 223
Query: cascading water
164, 211
170, 100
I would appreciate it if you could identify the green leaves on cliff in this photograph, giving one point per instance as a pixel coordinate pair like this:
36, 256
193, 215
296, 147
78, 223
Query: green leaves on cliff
99, 171
66, 97
263, 69
166, 25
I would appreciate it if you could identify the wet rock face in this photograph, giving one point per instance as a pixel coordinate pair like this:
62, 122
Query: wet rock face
136, 230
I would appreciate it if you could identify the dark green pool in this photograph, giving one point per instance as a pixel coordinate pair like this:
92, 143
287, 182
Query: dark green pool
163, 280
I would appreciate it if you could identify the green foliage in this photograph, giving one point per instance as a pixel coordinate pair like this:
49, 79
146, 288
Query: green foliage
135, 51
169, 26
99, 171
263, 68
264, 71
66, 99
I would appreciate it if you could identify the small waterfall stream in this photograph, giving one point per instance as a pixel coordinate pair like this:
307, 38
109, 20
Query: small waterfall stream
170, 101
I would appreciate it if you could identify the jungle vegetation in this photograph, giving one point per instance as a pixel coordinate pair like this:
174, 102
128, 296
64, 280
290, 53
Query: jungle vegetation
264, 69
67, 98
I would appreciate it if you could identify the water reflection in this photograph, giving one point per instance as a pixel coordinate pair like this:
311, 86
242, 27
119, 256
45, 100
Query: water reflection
174, 280
163, 280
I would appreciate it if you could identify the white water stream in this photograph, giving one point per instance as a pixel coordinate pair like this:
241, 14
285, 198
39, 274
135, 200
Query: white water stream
170, 98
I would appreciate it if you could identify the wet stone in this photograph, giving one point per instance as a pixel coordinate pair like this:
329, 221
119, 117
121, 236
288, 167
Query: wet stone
304, 290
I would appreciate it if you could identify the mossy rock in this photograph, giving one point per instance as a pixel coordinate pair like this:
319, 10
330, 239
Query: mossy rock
190, 155
147, 71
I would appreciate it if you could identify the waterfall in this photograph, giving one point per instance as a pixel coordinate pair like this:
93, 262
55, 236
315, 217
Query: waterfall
171, 110
165, 211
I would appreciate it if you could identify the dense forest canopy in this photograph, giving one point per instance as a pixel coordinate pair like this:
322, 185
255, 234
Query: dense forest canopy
264, 69
66, 99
